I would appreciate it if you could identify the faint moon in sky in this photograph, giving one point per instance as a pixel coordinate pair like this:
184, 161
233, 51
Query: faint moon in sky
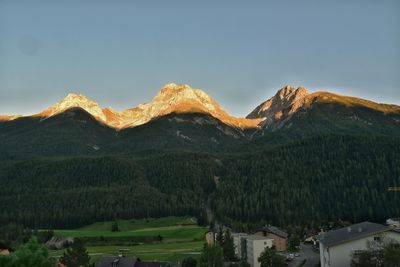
28, 45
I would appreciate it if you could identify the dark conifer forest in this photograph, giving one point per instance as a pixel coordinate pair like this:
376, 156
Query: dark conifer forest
305, 182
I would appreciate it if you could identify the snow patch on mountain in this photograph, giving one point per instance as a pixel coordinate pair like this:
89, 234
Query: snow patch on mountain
179, 134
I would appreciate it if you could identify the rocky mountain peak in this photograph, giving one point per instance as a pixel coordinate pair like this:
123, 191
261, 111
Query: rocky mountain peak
174, 86
285, 102
72, 96
178, 95
285, 91
76, 99
73, 100
173, 98
288, 92
172, 89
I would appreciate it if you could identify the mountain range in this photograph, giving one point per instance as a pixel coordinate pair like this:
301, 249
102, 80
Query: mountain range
182, 99
180, 117
181, 154
171, 98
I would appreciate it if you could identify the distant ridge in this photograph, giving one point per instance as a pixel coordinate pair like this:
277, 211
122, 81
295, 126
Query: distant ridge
181, 99
289, 102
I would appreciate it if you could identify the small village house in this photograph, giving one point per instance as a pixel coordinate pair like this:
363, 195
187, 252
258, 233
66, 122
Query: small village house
255, 245
280, 237
5, 250
239, 241
210, 238
337, 247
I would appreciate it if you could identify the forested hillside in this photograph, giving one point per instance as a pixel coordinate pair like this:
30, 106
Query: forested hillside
306, 182
313, 181
74, 192
76, 133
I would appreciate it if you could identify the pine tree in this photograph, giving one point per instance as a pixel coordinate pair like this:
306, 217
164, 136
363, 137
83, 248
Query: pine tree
76, 255
189, 262
114, 226
220, 236
293, 243
212, 256
228, 247
269, 258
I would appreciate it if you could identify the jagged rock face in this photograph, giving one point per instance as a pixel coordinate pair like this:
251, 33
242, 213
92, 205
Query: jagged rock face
285, 103
172, 98
122, 119
75, 101
173, 95
178, 99
182, 98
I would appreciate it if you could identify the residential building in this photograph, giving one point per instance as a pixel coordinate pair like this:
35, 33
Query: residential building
255, 245
338, 246
280, 237
5, 250
210, 238
239, 241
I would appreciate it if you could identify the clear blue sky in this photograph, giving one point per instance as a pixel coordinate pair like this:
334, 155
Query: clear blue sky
120, 53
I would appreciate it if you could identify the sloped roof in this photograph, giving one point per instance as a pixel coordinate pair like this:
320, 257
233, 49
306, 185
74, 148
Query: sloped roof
5, 247
352, 232
256, 237
274, 230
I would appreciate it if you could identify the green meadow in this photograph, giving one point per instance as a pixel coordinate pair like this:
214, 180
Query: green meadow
181, 237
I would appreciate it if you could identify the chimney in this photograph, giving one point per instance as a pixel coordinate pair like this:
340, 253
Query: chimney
349, 229
359, 229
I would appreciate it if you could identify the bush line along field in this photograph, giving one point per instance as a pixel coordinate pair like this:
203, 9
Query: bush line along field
180, 238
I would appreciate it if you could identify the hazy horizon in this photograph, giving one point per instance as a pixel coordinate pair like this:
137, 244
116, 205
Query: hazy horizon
120, 54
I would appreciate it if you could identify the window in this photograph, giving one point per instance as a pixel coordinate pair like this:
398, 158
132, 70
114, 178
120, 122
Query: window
358, 252
377, 238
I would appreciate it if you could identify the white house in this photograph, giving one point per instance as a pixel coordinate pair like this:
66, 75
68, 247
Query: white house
255, 245
336, 247
239, 241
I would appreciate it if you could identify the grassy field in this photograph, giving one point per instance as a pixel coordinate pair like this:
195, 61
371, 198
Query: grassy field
181, 237
172, 252
167, 232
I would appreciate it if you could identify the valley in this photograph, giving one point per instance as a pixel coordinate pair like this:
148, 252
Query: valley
317, 148
199, 133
